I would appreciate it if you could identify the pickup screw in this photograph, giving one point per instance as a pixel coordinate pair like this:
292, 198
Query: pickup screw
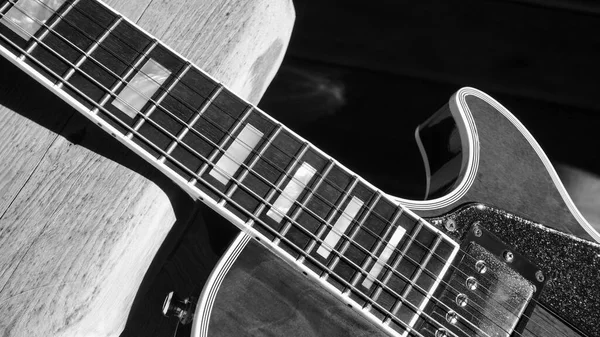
450, 225
476, 230
441, 332
480, 267
462, 300
471, 283
508, 256
539, 276
451, 317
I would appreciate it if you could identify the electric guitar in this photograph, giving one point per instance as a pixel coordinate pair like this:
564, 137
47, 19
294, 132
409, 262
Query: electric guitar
321, 251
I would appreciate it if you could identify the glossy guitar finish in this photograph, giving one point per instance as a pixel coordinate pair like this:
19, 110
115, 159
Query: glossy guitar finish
253, 293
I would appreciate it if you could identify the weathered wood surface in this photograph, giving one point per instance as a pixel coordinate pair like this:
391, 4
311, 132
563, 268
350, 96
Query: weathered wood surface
80, 216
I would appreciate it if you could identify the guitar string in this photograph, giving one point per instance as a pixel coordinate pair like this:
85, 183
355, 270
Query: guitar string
386, 266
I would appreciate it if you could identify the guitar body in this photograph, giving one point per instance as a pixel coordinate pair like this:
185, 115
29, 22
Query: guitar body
476, 152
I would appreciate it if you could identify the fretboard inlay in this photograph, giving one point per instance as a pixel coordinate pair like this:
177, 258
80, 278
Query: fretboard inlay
236, 154
143, 86
324, 219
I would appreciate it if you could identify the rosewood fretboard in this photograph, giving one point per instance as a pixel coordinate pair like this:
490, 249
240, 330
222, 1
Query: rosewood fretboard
315, 213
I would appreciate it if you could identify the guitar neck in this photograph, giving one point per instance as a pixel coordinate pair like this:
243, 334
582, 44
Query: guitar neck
312, 211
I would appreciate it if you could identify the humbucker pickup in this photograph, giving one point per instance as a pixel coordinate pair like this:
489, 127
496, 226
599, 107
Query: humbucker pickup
489, 293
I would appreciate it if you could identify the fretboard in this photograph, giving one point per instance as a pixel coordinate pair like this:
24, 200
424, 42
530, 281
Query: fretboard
325, 220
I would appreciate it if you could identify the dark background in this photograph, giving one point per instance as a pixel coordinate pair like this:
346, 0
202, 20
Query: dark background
359, 76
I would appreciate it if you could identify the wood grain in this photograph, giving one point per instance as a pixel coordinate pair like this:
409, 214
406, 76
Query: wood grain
81, 219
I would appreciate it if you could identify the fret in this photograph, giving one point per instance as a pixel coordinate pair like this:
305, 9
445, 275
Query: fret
412, 295
195, 148
87, 53
260, 153
69, 5
385, 247
277, 213
290, 228
26, 17
301, 182
276, 166
217, 126
253, 135
351, 247
346, 216
169, 129
158, 70
72, 34
250, 181
109, 113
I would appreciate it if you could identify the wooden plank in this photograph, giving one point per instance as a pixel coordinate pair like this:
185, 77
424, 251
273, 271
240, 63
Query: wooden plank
83, 216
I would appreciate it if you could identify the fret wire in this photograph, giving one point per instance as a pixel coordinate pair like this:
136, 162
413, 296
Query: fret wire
183, 132
415, 278
224, 141
46, 67
381, 239
397, 262
47, 28
345, 197
205, 105
112, 92
90, 50
233, 188
355, 231
350, 238
159, 100
5, 8
189, 127
156, 103
279, 182
304, 203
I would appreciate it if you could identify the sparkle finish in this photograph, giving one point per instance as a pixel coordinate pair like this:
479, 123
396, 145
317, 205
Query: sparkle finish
570, 265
